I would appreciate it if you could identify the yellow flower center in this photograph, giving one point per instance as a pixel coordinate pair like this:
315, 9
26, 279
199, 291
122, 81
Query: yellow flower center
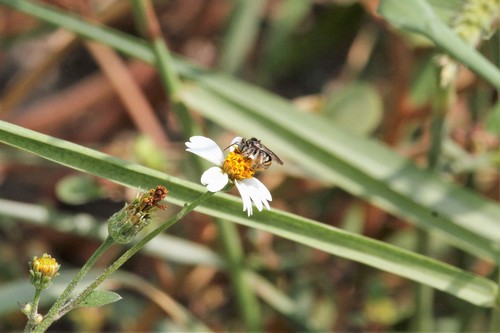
238, 167
46, 265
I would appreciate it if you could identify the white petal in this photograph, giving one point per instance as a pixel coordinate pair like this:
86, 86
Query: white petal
252, 190
262, 189
206, 148
245, 197
214, 179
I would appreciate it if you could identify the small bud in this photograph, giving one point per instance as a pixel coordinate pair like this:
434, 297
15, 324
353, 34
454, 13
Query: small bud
125, 224
26, 308
43, 270
38, 318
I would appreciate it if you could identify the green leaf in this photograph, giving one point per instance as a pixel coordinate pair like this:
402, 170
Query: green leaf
99, 298
77, 190
455, 281
356, 108
419, 17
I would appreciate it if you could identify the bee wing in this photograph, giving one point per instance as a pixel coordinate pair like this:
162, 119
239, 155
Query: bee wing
277, 158
273, 155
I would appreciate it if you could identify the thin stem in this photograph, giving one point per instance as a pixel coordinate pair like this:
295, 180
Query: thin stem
148, 23
495, 315
133, 250
53, 313
424, 295
248, 304
495, 312
34, 310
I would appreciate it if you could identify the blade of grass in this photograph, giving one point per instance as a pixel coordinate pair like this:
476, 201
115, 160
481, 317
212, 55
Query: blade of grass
363, 167
181, 251
241, 34
350, 148
419, 17
281, 27
462, 284
148, 22
120, 41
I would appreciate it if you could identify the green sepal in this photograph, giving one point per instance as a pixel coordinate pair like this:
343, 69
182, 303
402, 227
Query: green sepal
40, 281
123, 226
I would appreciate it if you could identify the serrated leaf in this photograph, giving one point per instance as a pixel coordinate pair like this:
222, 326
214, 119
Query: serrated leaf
99, 298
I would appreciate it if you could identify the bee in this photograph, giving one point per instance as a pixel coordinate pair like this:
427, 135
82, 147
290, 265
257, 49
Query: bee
261, 155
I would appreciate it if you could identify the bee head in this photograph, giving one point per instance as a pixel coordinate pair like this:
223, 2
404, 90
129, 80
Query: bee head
237, 143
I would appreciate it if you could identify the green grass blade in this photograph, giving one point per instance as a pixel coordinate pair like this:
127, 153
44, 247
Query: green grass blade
472, 288
361, 166
241, 34
418, 16
84, 225
120, 41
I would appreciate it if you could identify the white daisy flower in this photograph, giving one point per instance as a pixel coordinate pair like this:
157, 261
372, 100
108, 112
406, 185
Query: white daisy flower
235, 168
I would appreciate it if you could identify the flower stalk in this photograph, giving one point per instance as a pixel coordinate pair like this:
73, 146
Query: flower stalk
122, 227
53, 312
72, 304
42, 271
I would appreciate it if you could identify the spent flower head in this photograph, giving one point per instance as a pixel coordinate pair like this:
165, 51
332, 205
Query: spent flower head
237, 167
126, 223
43, 270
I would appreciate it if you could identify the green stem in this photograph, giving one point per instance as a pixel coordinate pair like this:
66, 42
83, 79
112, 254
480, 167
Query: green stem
495, 312
53, 313
424, 295
128, 254
148, 23
247, 302
34, 310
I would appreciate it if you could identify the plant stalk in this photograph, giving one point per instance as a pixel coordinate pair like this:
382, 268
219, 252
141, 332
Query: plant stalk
127, 255
34, 310
235, 259
53, 313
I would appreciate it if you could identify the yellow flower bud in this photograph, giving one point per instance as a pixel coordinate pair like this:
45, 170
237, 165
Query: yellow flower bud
43, 270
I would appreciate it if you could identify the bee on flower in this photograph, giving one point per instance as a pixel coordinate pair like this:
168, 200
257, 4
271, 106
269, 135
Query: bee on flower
244, 159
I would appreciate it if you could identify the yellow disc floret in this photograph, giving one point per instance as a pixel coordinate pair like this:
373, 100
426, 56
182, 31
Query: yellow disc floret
238, 167
46, 265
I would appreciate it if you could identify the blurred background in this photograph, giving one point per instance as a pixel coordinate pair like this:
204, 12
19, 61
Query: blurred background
335, 58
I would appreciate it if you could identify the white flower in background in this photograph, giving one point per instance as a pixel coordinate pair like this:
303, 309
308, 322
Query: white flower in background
235, 168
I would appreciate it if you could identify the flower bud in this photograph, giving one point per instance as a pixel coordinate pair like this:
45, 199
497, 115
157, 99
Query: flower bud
26, 308
38, 318
43, 270
126, 223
